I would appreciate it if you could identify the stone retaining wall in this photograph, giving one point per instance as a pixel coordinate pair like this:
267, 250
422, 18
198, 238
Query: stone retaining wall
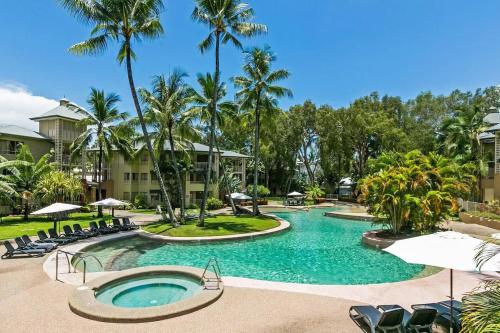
484, 221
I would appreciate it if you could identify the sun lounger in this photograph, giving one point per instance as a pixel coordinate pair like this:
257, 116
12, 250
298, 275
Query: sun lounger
68, 232
420, 321
94, 228
53, 234
128, 224
103, 228
443, 313
11, 251
371, 320
42, 237
77, 229
40, 245
23, 246
118, 226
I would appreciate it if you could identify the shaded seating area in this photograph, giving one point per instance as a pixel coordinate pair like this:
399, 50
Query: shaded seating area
294, 199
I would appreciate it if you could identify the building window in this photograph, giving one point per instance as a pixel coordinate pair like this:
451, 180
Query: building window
133, 195
144, 158
144, 177
135, 176
126, 195
153, 176
126, 176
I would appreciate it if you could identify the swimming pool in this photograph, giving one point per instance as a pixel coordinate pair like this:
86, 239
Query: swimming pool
317, 250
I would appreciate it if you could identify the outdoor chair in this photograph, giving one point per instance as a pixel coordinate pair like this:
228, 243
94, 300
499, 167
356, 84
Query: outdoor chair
77, 228
128, 224
94, 228
43, 238
443, 313
53, 234
11, 251
23, 246
104, 228
420, 321
47, 246
118, 226
68, 232
371, 320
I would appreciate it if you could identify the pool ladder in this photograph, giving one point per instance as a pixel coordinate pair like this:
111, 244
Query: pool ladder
82, 257
211, 282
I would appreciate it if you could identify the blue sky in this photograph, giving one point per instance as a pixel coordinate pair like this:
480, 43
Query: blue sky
336, 50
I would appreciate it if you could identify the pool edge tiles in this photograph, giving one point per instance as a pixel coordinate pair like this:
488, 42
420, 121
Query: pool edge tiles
84, 302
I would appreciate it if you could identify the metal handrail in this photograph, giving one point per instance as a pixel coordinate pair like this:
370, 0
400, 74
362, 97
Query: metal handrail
212, 262
83, 256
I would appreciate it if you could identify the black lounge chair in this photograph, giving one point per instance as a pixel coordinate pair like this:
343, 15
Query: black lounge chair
77, 229
38, 245
104, 229
371, 320
11, 251
23, 246
420, 321
443, 313
128, 224
43, 238
118, 226
68, 232
53, 234
94, 228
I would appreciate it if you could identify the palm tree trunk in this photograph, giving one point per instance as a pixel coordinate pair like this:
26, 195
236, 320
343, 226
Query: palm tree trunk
177, 172
226, 185
146, 136
213, 119
256, 156
99, 181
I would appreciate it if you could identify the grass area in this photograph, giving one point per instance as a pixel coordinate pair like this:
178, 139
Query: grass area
15, 226
488, 215
215, 226
143, 211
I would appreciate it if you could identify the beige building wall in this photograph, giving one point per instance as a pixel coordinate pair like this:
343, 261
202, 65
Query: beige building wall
38, 147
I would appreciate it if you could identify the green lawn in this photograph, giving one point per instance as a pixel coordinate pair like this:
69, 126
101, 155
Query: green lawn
215, 226
143, 211
15, 226
485, 214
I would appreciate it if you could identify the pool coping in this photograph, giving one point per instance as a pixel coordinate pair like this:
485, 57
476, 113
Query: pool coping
284, 225
84, 303
351, 216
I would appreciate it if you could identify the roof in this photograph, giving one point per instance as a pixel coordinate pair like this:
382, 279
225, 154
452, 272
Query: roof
486, 136
21, 131
492, 118
228, 153
62, 111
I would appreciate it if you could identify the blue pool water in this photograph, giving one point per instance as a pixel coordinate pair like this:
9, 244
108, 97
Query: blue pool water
148, 291
317, 250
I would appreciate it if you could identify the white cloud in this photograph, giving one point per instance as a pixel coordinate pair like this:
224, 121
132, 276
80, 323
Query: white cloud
18, 104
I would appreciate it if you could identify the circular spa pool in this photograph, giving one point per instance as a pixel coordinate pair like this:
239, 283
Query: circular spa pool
316, 250
148, 291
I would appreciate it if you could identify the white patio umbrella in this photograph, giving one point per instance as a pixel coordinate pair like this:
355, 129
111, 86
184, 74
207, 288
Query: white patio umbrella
240, 196
295, 194
56, 210
109, 202
448, 249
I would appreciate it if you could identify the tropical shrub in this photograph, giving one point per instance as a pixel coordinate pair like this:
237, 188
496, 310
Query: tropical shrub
413, 191
57, 186
214, 203
140, 201
315, 192
262, 191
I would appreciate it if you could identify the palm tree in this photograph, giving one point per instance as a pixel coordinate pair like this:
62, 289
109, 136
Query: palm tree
259, 92
226, 19
166, 113
7, 187
56, 186
102, 127
122, 21
201, 109
27, 173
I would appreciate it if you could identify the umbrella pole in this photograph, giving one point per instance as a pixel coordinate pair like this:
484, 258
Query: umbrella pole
451, 300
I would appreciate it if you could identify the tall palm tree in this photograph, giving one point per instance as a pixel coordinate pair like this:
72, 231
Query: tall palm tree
122, 21
166, 113
102, 124
7, 187
201, 106
258, 91
27, 173
226, 19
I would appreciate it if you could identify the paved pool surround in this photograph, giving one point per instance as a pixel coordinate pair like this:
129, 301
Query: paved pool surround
84, 303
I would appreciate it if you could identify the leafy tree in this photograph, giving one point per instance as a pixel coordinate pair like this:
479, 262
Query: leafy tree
122, 21
259, 92
57, 186
315, 192
7, 187
226, 19
25, 174
413, 191
166, 114
102, 128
